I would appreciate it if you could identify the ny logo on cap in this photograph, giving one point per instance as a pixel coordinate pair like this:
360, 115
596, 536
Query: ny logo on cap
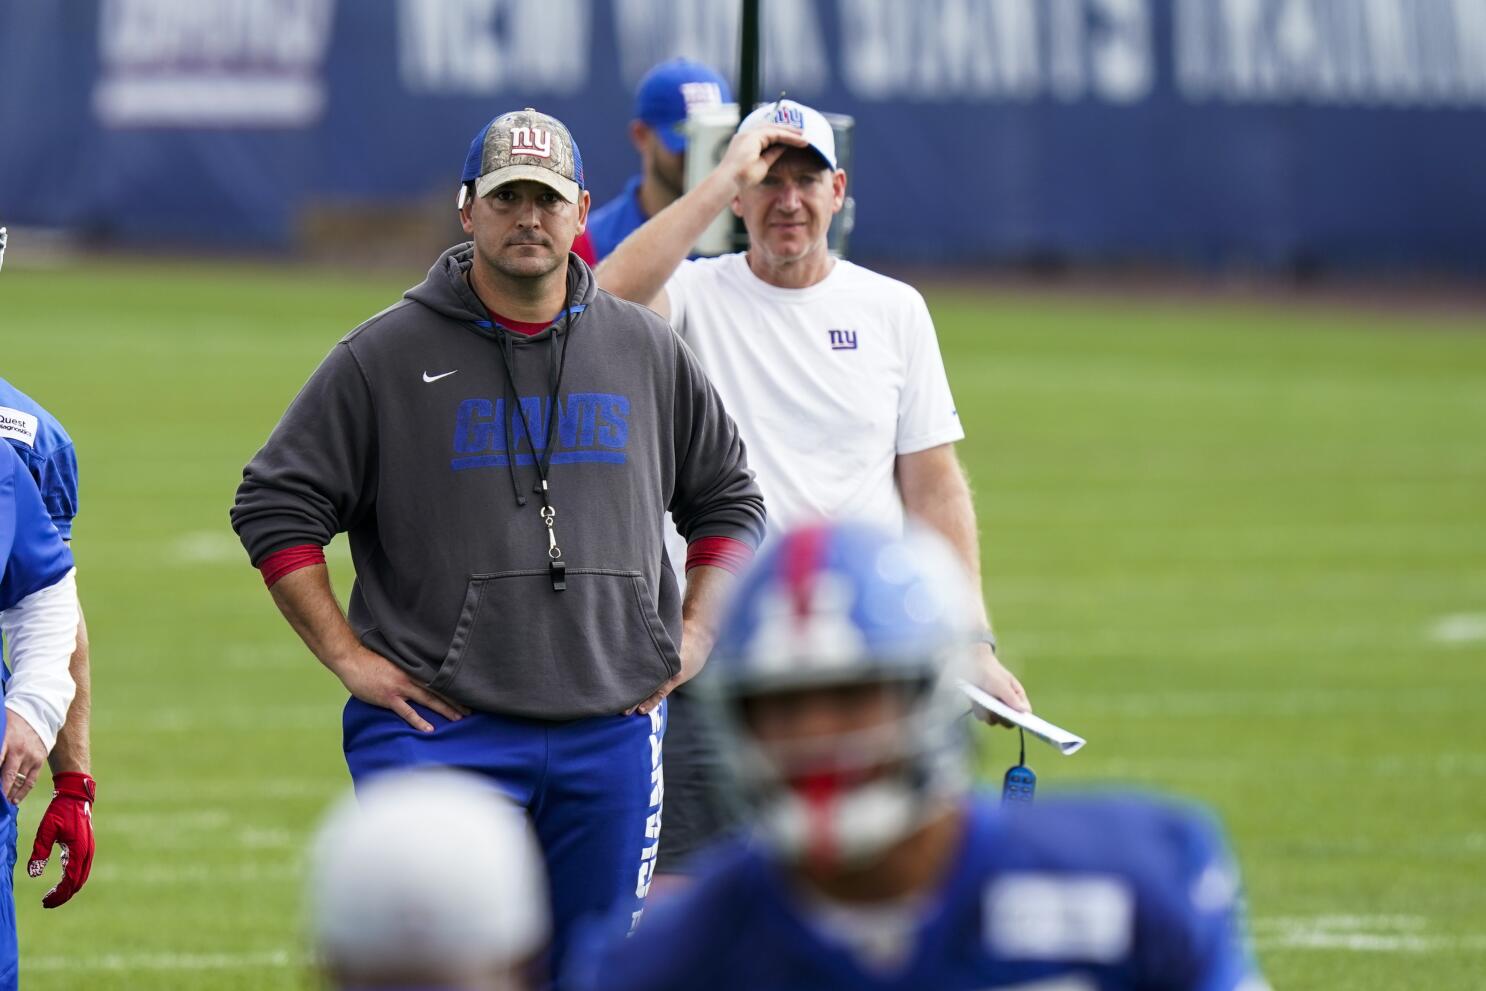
789, 115
533, 141
701, 94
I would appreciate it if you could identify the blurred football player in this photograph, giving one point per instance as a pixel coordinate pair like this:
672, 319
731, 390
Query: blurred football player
38, 620
47, 451
432, 880
874, 865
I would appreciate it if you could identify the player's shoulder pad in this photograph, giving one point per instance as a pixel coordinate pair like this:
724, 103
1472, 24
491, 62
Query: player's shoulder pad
1105, 824
675, 947
32, 553
28, 425
1167, 850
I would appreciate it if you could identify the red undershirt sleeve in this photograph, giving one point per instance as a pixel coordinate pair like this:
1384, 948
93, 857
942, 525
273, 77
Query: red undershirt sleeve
718, 552
280, 563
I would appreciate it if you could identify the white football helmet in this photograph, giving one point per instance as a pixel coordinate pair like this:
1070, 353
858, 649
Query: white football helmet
426, 874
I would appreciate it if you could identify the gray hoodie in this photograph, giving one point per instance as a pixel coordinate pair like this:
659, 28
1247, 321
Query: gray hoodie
401, 438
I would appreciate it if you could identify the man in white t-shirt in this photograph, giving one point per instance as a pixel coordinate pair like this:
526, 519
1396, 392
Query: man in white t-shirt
832, 372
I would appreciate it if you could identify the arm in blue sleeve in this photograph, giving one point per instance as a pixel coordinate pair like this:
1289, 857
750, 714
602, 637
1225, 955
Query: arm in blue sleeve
36, 557
58, 484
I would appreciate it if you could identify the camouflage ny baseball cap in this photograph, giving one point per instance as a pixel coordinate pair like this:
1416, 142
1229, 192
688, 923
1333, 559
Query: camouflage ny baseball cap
525, 144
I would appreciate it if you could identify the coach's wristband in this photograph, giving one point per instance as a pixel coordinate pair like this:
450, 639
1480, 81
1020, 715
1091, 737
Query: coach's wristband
986, 636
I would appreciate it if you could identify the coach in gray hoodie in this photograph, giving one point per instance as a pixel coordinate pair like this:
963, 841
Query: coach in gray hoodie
501, 446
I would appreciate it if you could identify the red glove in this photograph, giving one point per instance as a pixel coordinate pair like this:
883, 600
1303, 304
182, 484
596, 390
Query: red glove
69, 822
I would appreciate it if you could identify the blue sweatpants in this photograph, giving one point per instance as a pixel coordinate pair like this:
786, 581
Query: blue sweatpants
592, 787
9, 951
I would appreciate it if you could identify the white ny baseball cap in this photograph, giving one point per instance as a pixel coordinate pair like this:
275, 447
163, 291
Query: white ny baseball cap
807, 120
430, 872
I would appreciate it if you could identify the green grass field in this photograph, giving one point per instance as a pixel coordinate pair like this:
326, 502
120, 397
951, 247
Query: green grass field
1224, 542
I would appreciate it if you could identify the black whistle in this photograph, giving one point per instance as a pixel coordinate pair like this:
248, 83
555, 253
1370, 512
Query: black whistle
559, 576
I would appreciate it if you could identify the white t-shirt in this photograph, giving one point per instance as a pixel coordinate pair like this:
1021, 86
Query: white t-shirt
828, 384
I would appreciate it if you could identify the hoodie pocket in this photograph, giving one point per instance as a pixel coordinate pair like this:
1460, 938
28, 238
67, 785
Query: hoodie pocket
520, 648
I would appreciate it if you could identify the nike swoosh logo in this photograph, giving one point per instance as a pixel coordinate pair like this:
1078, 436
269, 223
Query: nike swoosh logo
434, 378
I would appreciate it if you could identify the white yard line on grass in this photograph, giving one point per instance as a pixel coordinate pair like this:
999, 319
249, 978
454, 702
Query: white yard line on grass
163, 961
229, 791
267, 716
166, 875
206, 547
1466, 627
165, 823
266, 838
1359, 934
1446, 765
1294, 703
223, 547
184, 830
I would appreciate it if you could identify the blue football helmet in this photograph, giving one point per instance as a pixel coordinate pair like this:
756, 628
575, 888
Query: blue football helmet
849, 609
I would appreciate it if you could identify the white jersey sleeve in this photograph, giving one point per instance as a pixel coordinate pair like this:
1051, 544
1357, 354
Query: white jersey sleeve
926, 409
41, 630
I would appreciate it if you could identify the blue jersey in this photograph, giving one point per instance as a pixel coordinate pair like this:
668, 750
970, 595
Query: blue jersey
1093, 894
46, 450
32, 557
31, 551
616, 219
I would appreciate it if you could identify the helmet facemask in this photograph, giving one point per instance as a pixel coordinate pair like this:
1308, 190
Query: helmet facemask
841, 771
837, 667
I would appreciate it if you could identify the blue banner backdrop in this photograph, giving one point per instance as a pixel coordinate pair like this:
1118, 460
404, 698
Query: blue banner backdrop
1271, 132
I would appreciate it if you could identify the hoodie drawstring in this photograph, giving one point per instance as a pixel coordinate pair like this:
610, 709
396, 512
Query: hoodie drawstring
511, 396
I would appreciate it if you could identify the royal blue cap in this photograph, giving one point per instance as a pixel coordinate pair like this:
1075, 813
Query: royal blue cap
670, 89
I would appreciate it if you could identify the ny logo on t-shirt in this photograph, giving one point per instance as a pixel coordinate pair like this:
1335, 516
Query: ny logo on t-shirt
843, 340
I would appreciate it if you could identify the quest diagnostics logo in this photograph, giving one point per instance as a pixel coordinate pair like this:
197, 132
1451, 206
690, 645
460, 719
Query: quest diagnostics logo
18, 425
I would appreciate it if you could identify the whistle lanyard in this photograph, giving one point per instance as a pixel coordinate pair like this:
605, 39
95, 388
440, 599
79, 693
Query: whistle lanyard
556, 566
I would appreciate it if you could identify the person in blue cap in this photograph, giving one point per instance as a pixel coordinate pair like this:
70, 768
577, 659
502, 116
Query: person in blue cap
665, 96
501, 447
